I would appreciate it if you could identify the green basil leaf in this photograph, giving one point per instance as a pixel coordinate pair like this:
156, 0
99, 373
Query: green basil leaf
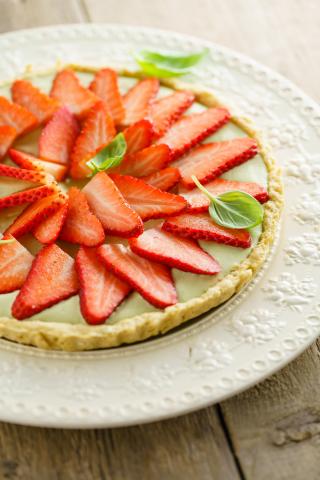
236, 209
110, 156
7, 240
168, 65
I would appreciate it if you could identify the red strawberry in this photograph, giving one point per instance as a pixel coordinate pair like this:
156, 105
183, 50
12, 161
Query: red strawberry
191, 129
209, 161
97, 131
29, 162
31, 98
27, 196
66, 88
105, 86
52, 278
7, 137
147, 201
23, 174
198, 202
201, 227
106, 201
81, 225
152, 280
176, 252
138, 136
15, 263
164, 179
145, 162
49, 229
16, 116
100, 291
165, 111
58, 136
34, 214
138, 99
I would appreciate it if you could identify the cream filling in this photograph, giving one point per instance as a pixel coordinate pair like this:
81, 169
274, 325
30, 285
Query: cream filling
188, 285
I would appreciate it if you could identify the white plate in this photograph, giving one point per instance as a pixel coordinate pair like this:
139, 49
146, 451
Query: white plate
258, 332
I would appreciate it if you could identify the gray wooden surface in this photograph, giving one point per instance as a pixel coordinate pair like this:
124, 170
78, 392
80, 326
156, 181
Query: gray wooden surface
269, 432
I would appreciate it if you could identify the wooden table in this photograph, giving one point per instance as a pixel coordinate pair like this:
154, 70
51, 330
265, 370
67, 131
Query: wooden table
269, 432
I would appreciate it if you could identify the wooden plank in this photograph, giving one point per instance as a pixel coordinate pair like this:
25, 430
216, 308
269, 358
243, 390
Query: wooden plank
186, 448
275, 427
17, 14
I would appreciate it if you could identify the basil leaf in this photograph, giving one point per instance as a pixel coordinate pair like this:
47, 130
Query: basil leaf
168, 65
5, 241
110, 156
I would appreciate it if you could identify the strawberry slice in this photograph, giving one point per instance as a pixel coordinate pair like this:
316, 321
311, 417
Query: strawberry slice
58, 136
97, 131
16, 116
145, 162
100, 291
152, 280
15, 263
52, 278
23, 174
81, 225
138, 136
209, 161
200, 226
182, 253
138, 99
29, 162
198, 202
148, 201
49, 229
27, 196
34, 214
191, 129
66, 88
7, 137
164, 179
165, 111
105, 86
31, 98
107, 203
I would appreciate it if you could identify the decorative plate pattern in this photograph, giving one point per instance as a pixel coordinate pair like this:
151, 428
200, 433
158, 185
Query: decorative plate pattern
225, 351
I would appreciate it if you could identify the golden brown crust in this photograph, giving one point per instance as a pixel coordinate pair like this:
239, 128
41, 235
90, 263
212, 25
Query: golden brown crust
69, 337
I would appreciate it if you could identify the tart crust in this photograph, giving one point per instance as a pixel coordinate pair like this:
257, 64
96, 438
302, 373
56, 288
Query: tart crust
70, 337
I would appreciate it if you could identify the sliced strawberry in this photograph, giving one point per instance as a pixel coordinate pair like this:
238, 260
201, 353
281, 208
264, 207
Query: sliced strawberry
145, 162
81, 225
31, 98
29, 162
165, 111
100, 291
138, 99
209, 161
7, 137
97, 131
27, 196
58, 136
66, 88
147, 201
164, 179
34, 214
152, 280
138, 136
105, 86
16, 116
23, 174
49, 229
115, 214
52, 278
15, 263
201, 227
176, 252
198, 202
191, 129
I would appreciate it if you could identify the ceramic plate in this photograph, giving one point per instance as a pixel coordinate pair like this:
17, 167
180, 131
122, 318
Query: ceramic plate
256, 333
